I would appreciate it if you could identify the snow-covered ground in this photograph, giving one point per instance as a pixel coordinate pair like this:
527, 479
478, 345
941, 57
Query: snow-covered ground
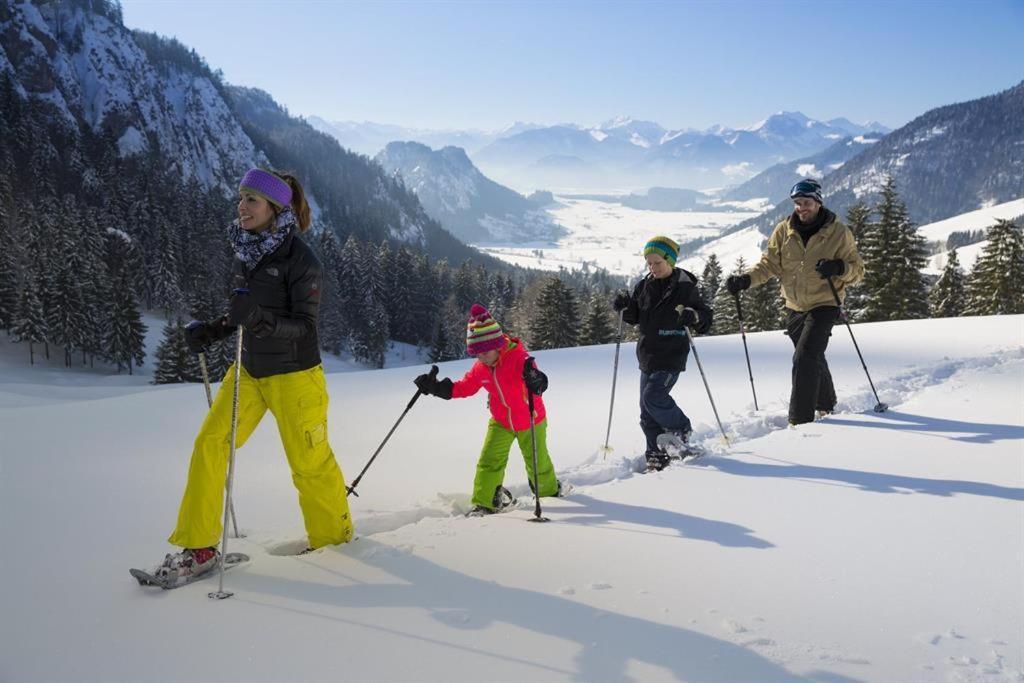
864, 547
611, 236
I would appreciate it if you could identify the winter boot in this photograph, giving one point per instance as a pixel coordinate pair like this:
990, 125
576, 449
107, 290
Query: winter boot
187, 565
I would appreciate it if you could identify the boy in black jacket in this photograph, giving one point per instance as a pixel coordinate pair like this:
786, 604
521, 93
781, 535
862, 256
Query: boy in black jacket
663, 304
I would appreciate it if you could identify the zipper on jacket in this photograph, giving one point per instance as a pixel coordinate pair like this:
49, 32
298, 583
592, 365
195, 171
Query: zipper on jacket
501, 395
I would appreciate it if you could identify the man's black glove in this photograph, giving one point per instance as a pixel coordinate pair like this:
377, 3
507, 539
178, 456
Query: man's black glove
621, 301
429, 384
688, 317
199, 335
737, 283
536, 381
830, 267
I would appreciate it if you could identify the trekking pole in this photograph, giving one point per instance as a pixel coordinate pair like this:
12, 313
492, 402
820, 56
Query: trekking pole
536, 486
743, 334
615, 375
209, 403
879, 406
696, 357
352, 489
220, 594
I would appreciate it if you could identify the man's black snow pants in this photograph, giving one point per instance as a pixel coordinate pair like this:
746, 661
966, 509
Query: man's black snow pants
812, 382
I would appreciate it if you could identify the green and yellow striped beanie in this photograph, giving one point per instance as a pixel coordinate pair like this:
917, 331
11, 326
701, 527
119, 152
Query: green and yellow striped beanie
664, 247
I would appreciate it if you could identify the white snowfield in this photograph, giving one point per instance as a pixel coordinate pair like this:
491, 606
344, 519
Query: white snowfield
864, 547
612, 236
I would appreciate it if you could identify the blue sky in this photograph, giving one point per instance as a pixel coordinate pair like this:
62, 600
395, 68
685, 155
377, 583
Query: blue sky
682, 64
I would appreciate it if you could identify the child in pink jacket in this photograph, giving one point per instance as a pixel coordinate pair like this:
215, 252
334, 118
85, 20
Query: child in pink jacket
506, 370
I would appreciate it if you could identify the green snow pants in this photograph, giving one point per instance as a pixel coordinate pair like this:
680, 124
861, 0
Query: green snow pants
490, 469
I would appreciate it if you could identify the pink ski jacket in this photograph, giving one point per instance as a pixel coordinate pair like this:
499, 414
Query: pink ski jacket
505, 387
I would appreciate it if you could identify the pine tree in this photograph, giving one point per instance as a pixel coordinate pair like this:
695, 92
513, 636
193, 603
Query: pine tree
858, 220
352, 288
880, 250
163, 277
125, 339
597, 325
66, 315
556, 322
9, 285
996, 283
763, 307
908, 282
331, 320
726, 320
174, 362
449, 338
711, 279
948, 297
29, 323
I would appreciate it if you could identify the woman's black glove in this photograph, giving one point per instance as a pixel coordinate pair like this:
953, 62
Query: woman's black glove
243, 310
199, 335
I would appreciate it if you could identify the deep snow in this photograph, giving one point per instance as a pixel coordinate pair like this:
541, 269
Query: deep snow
863, 547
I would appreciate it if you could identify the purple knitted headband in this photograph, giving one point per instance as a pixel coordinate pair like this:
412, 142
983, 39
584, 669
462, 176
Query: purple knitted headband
268, 186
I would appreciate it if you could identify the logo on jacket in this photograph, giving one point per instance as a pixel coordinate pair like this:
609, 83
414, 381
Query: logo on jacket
671, 333
273, 272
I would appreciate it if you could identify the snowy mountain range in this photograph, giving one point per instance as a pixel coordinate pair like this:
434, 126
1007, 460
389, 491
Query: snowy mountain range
948, 161
619, 153
775, 182
469, 205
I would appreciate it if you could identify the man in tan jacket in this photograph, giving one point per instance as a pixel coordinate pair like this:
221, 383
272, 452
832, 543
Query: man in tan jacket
805, 251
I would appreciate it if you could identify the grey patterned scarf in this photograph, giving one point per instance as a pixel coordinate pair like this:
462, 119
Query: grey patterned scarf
251, 247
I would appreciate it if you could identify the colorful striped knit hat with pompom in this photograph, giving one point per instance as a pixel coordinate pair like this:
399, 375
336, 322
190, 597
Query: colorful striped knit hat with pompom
482, 332
664, 247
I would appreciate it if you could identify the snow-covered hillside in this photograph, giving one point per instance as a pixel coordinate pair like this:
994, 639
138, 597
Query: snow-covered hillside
982, 219
864, 547
95, 70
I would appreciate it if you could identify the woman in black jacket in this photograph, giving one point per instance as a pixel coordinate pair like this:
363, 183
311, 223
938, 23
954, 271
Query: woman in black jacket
276, 299
663, 304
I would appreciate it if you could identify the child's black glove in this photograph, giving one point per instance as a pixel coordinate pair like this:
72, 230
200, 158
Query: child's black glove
621, 301
688, 317
536, 381
428, 384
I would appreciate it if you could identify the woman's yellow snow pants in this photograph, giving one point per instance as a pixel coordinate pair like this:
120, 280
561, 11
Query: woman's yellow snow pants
298, 401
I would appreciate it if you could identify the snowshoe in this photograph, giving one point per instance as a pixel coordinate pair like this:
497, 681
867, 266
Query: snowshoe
674, 443
656, 461
181, 569
503, 500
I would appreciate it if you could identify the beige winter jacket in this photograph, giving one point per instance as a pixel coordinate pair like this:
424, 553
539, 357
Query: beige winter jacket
789, 260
